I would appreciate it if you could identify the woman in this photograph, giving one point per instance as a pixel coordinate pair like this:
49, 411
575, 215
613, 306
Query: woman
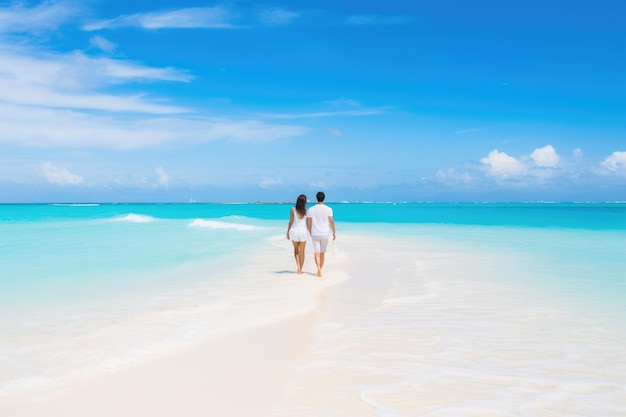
297, 230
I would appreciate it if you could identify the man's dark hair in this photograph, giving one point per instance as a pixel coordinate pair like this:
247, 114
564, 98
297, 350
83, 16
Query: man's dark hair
320, 197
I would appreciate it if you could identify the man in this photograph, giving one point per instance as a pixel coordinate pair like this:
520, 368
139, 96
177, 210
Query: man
319, 221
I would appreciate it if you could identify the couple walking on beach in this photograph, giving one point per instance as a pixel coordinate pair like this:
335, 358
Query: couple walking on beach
316, 222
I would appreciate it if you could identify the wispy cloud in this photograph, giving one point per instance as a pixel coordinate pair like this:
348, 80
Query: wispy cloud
269, 182
364, 112
320, 185
68, 128
277, 16
217, 17
452, 177
35, 77
103, 44
333, 108
44, 17
163, 178
374, 19
465, 131
59, 175
343, 103
56, 99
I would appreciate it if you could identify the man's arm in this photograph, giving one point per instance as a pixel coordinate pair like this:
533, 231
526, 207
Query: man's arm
332, 226
308, 224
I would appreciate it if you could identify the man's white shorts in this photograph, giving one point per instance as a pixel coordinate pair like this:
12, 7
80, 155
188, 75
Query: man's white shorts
320, 244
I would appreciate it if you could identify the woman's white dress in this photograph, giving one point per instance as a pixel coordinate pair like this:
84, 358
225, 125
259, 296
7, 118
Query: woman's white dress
298, 231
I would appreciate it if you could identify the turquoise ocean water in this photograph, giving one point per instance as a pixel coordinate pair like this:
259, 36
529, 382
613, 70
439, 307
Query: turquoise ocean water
57, 251
67, 269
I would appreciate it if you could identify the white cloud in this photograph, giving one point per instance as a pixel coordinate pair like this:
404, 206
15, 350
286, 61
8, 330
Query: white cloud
335, 132
577, 153
616, 162
44, 17
69, 128
332, 108
541, 164
319, 185
269, 182
125, 71
499, 164
103, 44
277, 16
464, 131
451, 177
545, 157
52, 99
343, 103
363, 112
37, 78
340, 107
61, 176
32, 75
162, 178
190, 18
379, 20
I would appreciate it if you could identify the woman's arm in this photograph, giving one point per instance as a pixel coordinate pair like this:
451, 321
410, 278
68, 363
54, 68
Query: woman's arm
290, 222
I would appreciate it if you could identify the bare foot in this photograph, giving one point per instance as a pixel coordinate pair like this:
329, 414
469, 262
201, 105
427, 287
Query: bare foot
299, 272
319, 273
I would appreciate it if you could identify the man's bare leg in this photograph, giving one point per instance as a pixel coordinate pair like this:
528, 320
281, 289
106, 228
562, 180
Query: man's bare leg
319, 261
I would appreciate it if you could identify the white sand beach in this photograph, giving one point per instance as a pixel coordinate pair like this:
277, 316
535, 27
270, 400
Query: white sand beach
397, 329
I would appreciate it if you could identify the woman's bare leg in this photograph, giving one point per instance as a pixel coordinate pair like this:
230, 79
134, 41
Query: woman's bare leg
296, 255
301, 246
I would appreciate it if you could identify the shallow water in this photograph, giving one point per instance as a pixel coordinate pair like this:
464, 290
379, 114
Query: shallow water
458, 335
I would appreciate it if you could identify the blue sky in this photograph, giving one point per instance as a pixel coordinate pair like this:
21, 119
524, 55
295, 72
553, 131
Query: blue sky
159, 101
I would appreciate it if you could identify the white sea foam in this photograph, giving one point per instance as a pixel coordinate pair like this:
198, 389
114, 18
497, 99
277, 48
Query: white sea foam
216, 224
75, 204
135, 218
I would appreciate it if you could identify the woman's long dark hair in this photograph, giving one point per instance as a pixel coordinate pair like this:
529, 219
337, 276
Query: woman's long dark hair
301, 205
